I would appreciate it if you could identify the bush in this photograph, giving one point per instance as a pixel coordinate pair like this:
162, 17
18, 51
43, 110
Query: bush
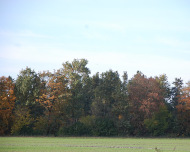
41, 126
104, 127
90, 126
78, 129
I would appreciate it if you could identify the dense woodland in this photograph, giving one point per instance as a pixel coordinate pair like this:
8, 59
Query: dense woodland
71, 102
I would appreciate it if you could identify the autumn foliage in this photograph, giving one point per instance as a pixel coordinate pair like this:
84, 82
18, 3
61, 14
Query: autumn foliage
7, 104
184, 109
145, 99
70, 101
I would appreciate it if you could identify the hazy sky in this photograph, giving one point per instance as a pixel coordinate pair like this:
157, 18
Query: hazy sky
152, 36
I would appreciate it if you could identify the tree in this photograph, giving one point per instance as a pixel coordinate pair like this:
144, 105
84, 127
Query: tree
183, 108
120, 109
106, 93
55, 99
23, 123
27, 87
27, 90
165, 87
145, 98
110, 100
77, 75
160, 122
69, 101
175, 93
7, 104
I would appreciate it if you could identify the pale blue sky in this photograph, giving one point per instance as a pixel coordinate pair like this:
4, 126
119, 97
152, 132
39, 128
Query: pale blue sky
152, 36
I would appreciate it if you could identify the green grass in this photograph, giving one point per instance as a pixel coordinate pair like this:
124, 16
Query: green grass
76, 144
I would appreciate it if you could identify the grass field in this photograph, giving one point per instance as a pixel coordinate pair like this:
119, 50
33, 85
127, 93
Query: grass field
76, 144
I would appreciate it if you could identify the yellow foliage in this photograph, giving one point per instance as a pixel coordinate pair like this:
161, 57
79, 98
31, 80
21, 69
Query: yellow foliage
4, 98
120, 117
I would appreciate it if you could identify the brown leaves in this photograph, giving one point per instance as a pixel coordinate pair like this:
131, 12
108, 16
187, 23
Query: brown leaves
55, 88
145, 94
7, 103
184, 100
145, 98
183, 109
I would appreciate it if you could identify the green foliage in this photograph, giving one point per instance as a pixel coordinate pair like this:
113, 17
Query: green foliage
88, 121
23, 122
107, 92
77, 129
90, 126
70, 102
175, 93
76, 74
27, 87
159, 123
41, 125
104, 127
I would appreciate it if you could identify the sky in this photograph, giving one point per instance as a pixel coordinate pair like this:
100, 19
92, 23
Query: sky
151, 36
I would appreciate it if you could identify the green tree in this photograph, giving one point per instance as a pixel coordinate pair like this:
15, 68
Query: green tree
106, 94
23, 123
110, 100
104, 127
160, 122
27, 87
77, 75
27, 91
176, 91
165, 87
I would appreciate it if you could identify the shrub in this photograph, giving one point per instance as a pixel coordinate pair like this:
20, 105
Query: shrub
78, 129
104, 127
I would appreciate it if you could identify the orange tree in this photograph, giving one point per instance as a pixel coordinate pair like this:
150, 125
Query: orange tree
7, 104
183, 109
54, 97
145, 98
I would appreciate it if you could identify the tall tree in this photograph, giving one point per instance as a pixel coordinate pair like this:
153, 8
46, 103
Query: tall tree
165, 87
27, 90
77, 73
7, 104
55, 99
107, 93
175, 93
110, 102
183, 108
27, 87
145, 98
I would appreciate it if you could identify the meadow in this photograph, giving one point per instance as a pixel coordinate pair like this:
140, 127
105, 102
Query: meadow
92, 144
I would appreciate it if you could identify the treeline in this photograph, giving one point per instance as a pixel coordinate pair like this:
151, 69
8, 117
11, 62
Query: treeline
70, 102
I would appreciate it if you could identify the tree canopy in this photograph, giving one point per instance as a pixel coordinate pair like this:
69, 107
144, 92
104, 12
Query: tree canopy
70, 101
